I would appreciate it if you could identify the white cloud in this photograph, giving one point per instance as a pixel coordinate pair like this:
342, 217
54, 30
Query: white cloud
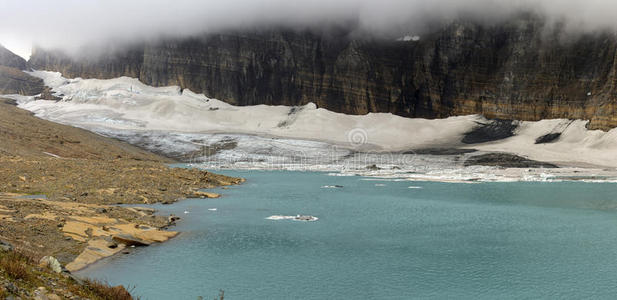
70, 23
16, 45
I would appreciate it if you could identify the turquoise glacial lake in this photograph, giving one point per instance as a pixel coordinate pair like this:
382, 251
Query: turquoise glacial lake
381, 240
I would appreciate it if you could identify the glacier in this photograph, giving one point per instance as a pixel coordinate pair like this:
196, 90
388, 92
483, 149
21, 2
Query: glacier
209, 133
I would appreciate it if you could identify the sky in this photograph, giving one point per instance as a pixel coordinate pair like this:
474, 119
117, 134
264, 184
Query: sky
69, 24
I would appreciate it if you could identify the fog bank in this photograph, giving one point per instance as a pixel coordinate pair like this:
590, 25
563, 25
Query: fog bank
72, 23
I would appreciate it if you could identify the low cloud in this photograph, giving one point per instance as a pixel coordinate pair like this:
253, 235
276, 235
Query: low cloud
73, 23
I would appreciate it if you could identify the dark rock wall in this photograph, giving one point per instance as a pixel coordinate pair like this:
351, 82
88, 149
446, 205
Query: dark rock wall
12, 79
9, 59
518, 69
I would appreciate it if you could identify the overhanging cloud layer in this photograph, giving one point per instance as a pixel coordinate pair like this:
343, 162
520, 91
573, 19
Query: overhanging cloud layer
71, 23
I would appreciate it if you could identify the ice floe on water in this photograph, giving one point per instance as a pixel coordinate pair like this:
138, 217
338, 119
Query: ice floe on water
414, 187
332, 186
294, 218
208, 133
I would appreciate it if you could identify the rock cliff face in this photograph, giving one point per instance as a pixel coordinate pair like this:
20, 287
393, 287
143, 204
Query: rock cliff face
517, 69
12, 79
9, 59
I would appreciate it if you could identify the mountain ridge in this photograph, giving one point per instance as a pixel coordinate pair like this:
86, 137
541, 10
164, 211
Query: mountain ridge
10, 59
516, 69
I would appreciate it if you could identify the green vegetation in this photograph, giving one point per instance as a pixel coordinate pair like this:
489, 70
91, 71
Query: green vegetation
21, 276
15, 266
101, 290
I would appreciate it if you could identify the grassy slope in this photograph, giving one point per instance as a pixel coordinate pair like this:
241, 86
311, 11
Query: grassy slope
21, 276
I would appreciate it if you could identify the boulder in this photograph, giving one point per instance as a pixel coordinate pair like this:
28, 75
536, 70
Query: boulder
51, 263
5, 246
505, 160
172, 219
41, 293
200, 194
130, 240
146, 210
373, 168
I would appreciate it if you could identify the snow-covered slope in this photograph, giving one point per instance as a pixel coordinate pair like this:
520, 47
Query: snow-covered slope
195, 128
576, 145
125, 103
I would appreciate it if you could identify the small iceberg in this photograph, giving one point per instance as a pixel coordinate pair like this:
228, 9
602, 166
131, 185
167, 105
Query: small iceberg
294, 218
305, 218
276, 217
212, 209
332, 186
379, 184
414, 187
186, 211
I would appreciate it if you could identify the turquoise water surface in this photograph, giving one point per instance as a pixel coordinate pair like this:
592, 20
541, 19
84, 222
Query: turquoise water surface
441, 240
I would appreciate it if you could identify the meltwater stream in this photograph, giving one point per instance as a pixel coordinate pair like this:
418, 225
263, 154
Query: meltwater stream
381, 240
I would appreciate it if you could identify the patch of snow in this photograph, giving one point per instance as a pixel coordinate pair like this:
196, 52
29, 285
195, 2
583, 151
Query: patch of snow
576, 143
51, 154
409, 38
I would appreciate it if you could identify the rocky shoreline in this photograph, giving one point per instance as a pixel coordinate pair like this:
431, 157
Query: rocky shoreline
505, 160
60, 188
